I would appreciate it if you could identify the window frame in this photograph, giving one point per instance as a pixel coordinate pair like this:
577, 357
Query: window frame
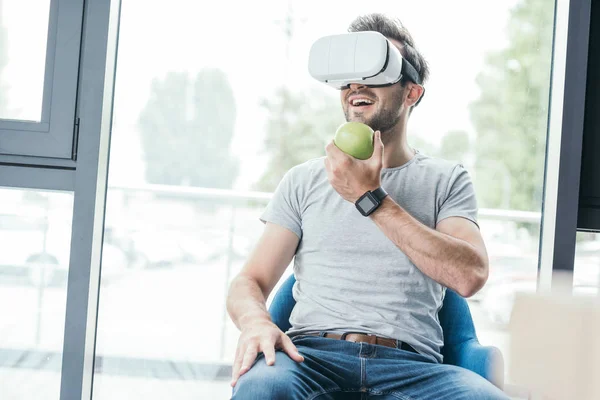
564, 144
55, 135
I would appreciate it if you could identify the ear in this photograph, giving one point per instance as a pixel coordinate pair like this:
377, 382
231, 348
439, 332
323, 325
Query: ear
415, 92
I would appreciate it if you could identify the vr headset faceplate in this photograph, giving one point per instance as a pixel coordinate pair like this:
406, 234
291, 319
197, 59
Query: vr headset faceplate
366, 57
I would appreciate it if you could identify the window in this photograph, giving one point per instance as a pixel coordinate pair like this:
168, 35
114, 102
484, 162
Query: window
24, 59
209, 115
39, 61
35, 235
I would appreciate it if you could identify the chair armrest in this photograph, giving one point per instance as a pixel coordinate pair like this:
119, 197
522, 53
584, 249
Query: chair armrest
282, 305
486, 361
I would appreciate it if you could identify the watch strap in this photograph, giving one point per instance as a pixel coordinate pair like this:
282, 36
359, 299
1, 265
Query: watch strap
379, 193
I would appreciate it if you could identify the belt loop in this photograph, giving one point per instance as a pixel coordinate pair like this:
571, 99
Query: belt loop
398, 344
322, 334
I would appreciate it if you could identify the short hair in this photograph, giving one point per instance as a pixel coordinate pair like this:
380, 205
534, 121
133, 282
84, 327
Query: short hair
392, 28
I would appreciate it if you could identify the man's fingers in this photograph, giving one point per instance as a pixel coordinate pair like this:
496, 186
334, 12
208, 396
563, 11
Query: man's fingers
249, 357
328, 148
243, 363
329, 152
269, 351
290, 349
235, 371
377, 156
333, 152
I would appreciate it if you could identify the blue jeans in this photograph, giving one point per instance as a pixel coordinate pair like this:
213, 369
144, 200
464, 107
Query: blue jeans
336, 369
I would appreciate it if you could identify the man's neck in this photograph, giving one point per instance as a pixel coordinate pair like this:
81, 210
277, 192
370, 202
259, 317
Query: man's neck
397, 152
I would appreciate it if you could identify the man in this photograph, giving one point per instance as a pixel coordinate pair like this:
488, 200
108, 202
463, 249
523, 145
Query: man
382, 275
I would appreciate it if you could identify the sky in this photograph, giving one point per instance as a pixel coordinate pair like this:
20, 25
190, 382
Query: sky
245, 40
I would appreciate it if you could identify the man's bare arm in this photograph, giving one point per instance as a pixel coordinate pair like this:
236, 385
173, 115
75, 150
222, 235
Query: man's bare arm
453, 254
246, 300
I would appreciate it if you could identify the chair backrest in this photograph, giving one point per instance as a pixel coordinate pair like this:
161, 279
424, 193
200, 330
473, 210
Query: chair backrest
455, 316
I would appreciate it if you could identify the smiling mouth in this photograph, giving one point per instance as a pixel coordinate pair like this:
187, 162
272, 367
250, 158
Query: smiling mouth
361, 103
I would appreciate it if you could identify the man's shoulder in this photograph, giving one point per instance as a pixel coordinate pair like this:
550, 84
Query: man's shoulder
308, 169
436, 166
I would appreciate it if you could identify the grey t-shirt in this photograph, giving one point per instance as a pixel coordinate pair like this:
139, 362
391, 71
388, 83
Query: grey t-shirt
350, 276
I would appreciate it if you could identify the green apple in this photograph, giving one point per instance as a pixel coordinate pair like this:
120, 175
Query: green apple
355, 139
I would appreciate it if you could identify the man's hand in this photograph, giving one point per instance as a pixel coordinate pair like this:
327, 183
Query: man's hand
352, 177
263, 336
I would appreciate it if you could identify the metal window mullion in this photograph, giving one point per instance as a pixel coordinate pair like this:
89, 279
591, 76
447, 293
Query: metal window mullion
52, 137
572, 136
26, 177
563, 154
63, 98
96, 85
53, 24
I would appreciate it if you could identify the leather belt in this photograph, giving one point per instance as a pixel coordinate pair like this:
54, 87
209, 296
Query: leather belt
365, 338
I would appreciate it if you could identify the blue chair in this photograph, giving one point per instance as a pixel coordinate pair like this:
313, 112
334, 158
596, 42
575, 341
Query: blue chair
461, 346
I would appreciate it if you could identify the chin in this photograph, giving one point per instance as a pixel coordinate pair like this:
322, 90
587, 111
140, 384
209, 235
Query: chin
357, 118
366, 121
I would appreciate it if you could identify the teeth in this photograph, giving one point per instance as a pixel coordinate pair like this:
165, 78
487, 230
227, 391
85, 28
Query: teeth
356, 102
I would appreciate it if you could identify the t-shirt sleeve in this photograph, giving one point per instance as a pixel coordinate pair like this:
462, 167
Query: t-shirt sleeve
460, 200
284, 207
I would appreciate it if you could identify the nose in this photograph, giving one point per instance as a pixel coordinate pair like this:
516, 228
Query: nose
356, 86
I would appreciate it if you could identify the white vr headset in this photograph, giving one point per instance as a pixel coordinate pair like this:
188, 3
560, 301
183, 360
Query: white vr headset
367, 57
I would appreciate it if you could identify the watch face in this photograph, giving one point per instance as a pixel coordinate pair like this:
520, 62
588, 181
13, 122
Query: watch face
367, 204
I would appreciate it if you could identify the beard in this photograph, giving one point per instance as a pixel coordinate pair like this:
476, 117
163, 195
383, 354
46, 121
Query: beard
383, 119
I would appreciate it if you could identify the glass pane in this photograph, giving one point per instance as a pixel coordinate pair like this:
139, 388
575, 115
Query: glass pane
512, 247
23, 42
586, 278
35, 236
207, 119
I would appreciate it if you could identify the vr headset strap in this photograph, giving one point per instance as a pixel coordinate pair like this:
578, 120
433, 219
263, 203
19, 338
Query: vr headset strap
410, 72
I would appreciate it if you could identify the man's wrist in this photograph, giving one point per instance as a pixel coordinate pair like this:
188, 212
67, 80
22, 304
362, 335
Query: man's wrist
253, 319
370, 201
389, 211
387, 205
366, 189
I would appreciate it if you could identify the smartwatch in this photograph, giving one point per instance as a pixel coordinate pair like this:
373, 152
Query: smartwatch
370, 201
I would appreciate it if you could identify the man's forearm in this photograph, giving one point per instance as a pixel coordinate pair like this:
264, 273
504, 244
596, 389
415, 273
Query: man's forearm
449, 261
246, 302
